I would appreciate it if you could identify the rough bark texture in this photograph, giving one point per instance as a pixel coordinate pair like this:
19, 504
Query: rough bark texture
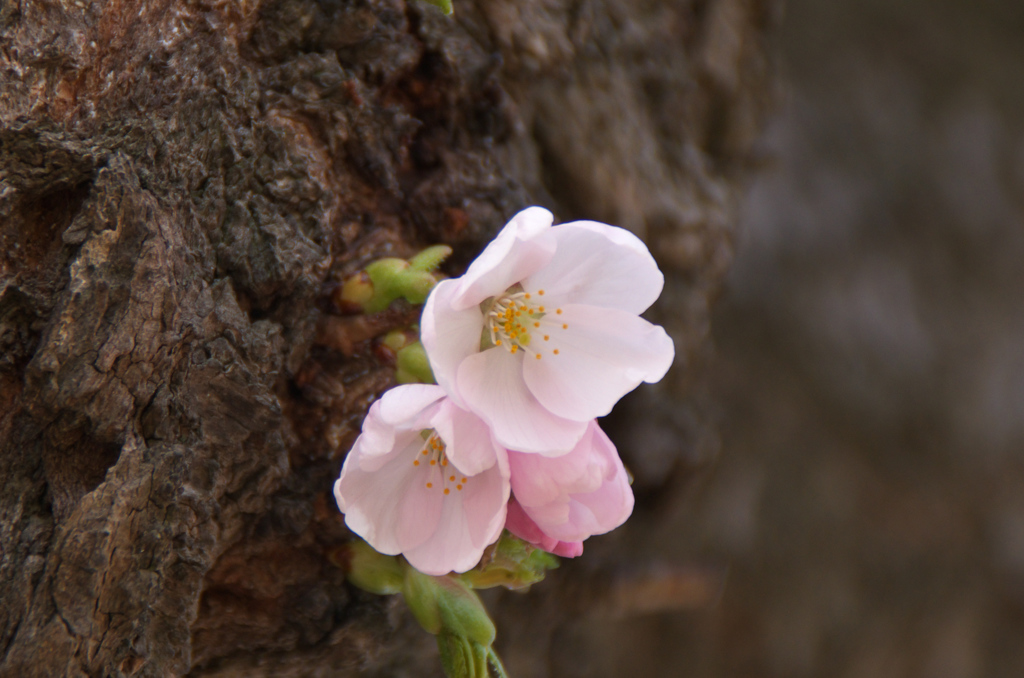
183, 185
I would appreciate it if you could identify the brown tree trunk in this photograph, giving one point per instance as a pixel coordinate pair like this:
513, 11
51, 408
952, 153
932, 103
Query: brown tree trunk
182, 185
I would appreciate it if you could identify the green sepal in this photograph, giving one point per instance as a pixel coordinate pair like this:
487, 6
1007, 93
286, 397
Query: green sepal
444, 606
499, 668
413, 366
420, 593
447, 603
386, 280
462, 657
512, 563
444, 5
371, 571
462, 612
392, 278
357, 291
396, 340
429, 259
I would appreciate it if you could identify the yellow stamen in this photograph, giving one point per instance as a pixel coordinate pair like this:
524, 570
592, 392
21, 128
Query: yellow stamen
510, 316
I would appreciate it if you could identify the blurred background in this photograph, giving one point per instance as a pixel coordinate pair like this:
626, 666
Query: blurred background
866, 504
869, 493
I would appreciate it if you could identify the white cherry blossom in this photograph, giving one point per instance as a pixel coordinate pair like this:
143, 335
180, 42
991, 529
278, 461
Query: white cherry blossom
543, 333
425, 479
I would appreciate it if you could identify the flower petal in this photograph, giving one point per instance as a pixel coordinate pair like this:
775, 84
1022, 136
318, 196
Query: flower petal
598, 512
581, 515
376, 441
602, 355
449, 335
492, 385
539, 480
484, 498
522, 526
383, 506
522, 247
388, 424
403, 404
373, 459
470, 520
468, 441
598, 265
421, 508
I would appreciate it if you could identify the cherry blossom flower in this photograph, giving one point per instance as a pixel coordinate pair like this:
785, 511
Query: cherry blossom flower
542, 334
560, 501
425, 479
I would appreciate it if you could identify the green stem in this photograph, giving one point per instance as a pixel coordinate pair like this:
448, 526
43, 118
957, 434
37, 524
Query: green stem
499, 668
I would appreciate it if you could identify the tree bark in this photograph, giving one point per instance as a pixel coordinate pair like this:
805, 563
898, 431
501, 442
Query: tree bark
182, 187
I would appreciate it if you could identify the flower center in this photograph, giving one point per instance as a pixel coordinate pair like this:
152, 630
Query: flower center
433, 457
515, 319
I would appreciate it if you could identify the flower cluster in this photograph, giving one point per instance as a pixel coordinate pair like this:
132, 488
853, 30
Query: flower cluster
541, 336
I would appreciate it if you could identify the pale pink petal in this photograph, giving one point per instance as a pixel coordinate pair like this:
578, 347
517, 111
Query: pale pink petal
595, 512
598, 265
531, 222
403, 404
420, 508
449, 335
373, 459
377, 437
492, 386
522, 526
449, 549
598, 512
544, 486
373, 501
602, 355
568, 549
471, 519
539, 480
399, 407
484, 499
522, 247
468, 440
552, 513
